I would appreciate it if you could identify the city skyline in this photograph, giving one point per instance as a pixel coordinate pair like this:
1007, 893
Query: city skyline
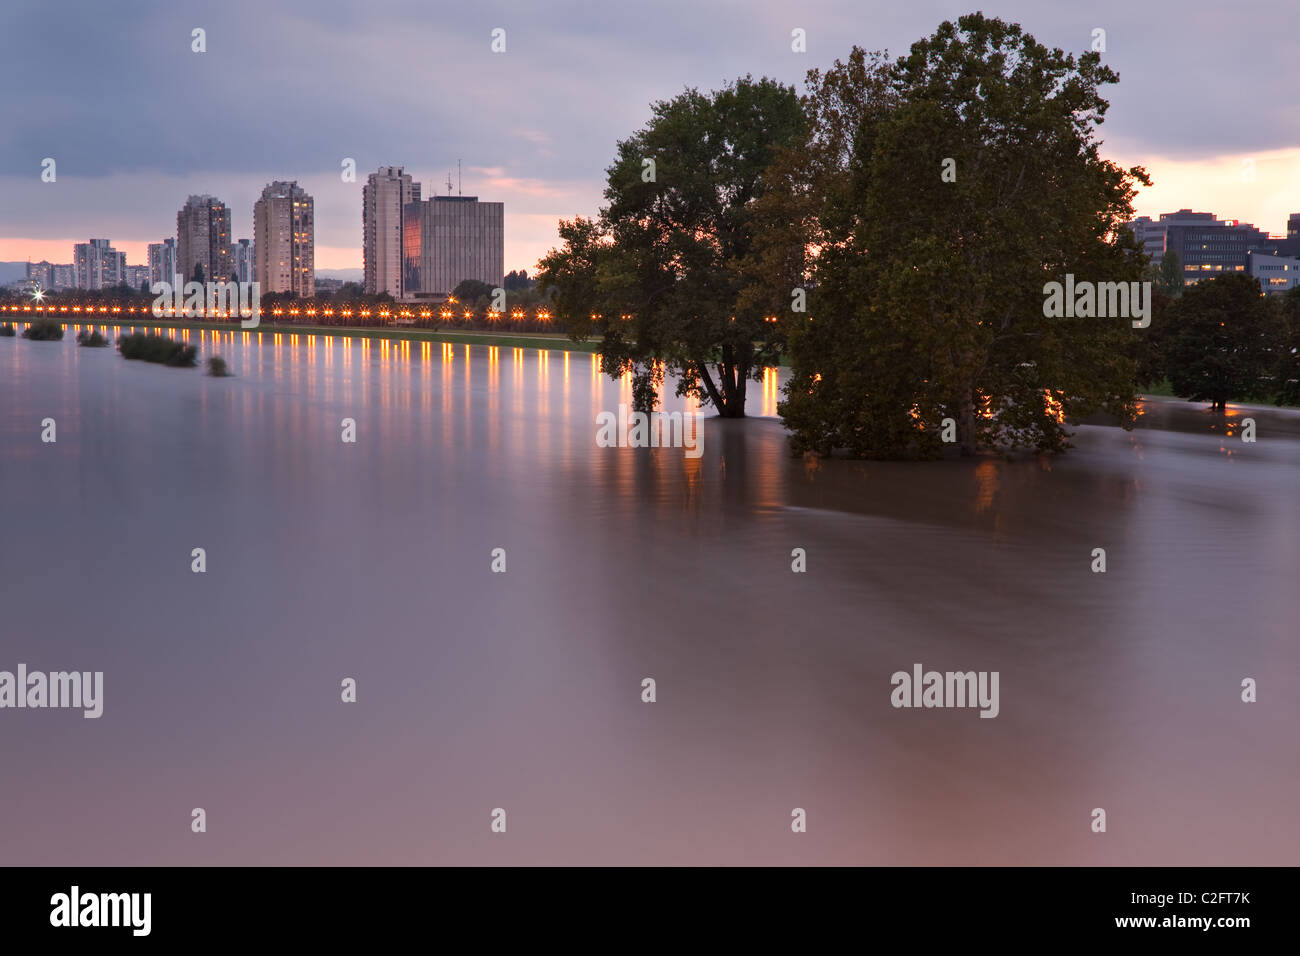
521, 139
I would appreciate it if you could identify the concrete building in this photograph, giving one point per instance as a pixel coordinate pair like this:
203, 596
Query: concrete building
385, 198
162, 261
40, 274
137, 276
284, 240
203, 238
448, 239
65, 276
98, 265
1276, 274
1205, 245
244, 264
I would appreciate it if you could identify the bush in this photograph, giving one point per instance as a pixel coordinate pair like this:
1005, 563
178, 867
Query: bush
92, 339
158, 348
217, 367
44, 330
6, 331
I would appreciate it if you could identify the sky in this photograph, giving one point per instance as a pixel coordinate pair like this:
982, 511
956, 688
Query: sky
135, 120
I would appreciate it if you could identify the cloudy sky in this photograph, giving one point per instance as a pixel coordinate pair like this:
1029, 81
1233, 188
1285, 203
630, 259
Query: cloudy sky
136, 121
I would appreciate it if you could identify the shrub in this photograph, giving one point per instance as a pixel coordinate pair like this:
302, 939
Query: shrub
6, 331
44, 330
92, 339
157, 348
217, 367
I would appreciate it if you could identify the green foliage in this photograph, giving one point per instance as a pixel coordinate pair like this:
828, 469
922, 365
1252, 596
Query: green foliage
91, 339
518, 281
1288, 372
6, 331
665, 273
197, 275
157, 348
928, 294
1224, 341
472, 291
44, 330
217, 367
1171, 275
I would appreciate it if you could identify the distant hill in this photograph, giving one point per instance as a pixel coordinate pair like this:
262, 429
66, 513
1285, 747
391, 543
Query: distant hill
347, 275
9, 271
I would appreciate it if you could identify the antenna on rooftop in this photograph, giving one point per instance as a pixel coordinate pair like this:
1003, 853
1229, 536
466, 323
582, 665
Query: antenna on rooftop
449, 182
458, 182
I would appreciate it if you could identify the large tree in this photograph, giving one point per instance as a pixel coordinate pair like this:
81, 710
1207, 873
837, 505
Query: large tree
1223, 342
1288, 373
664, 273
936, 196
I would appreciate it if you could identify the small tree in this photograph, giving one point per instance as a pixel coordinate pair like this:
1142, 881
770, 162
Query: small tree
1171, 275
1223, 342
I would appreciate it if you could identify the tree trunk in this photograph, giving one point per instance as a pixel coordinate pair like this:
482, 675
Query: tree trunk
966, 427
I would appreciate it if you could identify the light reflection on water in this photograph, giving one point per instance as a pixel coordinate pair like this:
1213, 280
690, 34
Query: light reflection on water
522, 690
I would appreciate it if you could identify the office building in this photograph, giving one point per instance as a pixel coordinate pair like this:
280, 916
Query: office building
448, 239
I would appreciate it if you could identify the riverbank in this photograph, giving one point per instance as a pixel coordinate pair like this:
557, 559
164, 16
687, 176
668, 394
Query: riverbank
524, 340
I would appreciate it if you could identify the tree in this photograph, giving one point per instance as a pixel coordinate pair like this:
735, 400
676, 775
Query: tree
198, 273
941, 193
472, 290
518, 281
1171, 275
1288, 373
1223, 342
664, 273
144, 286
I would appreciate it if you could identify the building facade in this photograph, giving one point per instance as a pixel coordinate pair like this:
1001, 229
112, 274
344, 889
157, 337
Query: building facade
138, 277
284, 240
385, 198
98, 265
203, 239
162, 261
448, 239
65, 276
1206, 246
40, 274
244, 264
1276, 274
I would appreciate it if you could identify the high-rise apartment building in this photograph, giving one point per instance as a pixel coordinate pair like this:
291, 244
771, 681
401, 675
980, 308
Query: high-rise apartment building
284, 240
162, 261
384, 200
448, 239
138, 277
41, 274
98, 265
65, 276
203, 239
245, 266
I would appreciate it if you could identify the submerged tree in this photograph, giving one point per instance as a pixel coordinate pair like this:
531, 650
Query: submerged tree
936, 196
664, 273
1223, 341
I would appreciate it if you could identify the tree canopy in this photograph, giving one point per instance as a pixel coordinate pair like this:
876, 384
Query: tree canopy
935, 196
664, 274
